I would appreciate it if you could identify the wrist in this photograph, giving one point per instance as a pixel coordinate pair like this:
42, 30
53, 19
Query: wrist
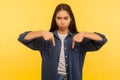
83, 34
41, 32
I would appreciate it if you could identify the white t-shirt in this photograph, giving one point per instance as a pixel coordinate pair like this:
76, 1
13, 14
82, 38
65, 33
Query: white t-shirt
61, 64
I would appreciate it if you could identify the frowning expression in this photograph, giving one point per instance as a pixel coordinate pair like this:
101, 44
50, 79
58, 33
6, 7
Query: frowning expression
63, 20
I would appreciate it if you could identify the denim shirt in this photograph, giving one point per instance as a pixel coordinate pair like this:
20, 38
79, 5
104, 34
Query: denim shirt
74, 57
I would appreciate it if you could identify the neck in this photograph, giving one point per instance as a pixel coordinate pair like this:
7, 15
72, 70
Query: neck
63, 32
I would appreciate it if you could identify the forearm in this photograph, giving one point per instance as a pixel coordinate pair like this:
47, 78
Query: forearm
33, 34
92, 36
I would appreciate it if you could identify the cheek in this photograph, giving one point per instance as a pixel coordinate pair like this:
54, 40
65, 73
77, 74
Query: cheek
57, 22
68, 22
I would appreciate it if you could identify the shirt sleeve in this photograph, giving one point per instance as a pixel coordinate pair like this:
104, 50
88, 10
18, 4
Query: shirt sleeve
35, 44
93, 45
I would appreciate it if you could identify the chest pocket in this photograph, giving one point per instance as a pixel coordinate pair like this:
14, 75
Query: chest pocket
48, 47
76, 48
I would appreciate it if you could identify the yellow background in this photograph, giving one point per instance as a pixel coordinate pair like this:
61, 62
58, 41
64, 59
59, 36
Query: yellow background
18, 62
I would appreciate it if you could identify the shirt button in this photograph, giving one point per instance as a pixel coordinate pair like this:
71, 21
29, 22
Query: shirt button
65, 48
66, 64
65, 40
65, 56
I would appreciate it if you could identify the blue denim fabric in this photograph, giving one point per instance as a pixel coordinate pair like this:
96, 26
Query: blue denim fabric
62, 77
74, 57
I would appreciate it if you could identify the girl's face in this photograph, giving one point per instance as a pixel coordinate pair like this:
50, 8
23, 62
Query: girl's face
63, 20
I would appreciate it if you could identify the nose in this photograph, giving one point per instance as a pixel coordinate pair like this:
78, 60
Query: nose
62, 22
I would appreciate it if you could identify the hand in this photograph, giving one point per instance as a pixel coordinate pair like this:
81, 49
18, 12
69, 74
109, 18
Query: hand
48, 36
77, 38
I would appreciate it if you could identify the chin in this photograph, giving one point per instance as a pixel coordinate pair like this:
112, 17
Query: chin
62, 29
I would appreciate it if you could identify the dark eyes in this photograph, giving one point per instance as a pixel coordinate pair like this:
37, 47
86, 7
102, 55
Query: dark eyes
66, 18
58, 17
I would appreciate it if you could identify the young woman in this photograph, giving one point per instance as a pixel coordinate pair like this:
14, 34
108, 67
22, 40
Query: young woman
63, 48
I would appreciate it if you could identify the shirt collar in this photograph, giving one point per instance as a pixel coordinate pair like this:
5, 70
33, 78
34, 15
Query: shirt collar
56, 34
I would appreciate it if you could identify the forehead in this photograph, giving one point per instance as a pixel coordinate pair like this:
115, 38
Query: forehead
62, 13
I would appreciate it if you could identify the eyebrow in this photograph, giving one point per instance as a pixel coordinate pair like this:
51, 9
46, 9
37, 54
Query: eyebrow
60, 16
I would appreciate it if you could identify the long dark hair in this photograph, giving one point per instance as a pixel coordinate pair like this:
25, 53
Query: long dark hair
66, 7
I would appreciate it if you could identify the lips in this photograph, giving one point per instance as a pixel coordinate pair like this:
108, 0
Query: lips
62, 26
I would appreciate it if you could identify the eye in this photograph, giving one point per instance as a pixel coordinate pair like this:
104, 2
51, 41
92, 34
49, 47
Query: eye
66, 18
58, 18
